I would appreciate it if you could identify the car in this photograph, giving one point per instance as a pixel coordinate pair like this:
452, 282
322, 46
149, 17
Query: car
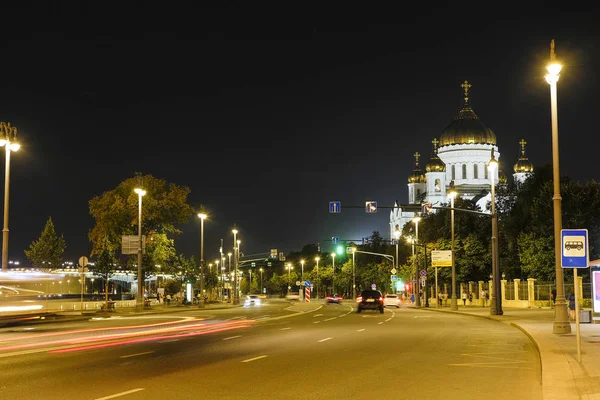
335, 299
391, 300
370, 300
252, 300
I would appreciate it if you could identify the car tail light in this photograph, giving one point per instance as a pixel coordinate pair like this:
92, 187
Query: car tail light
359, 299
380, 299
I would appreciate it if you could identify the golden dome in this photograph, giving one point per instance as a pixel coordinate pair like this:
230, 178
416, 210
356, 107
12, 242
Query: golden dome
417, 175
435, 164
523, 164
502, 177
467, 128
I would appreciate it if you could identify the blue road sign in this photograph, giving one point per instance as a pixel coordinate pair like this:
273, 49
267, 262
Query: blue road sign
335, 240
307, 283
394, 277
366, 240
335, 207
371, 207
373, 286
394, 242
423, 272
574, 248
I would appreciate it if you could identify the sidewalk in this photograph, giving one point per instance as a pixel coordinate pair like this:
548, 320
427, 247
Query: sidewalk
562, 375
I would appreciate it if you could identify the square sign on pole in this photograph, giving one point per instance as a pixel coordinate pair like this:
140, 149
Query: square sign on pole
335, 207
574, 248
371, 207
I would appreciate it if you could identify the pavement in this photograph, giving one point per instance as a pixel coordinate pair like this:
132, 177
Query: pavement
563, 377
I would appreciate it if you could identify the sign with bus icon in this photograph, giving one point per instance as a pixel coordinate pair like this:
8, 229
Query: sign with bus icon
575, 248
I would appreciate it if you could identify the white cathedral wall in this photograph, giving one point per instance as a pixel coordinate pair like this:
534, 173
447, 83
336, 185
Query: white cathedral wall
470, 155
436, 194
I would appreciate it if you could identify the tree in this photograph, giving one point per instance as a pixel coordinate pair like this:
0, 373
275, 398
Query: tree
105, 265
48, 250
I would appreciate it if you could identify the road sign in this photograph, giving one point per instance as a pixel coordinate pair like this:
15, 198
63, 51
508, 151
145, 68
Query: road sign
394, 277
574, 248
373, 286
366, 240
423, 282
371, 207
82, 269
426, 208
393, 271
423, 273
307, 283
307, 295
131, 243
281, 256
335, 207
394, 242
349, 250
441, 258
289, 287
83, 261
273, 253
298, 283
335, 240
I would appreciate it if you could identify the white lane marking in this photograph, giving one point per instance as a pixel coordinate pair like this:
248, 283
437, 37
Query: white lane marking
316, 322
112, 396
137, 354
254, 359
168, 340
360, 330
380, 323
389, 319
317, 315
285, 329
232, 337
329, 319
324, 340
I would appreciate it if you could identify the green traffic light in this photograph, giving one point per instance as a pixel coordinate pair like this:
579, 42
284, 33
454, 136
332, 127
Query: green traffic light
339, 250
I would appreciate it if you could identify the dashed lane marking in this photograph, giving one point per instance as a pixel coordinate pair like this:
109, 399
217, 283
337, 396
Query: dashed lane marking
360, 330
254, 359
232, 337
324, 340
137, 354
112, 396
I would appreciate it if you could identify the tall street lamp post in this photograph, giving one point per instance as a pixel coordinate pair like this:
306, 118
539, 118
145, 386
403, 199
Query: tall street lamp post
235, 232
561, 319
289, 268
496, 297
417, 288
397, 237
228, 270
333, 276
8, 140
237, 266
354, 272
318, 279
302, 271
452, 195
261, 286
202, 217
139, 303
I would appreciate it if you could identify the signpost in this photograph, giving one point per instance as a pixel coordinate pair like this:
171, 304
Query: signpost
83, 261
371, 207
440, 258
575, 254
335, 207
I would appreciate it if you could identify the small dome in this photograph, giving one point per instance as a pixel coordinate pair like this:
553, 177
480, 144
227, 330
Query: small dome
467, 128
435, 164
523, 164
417, 175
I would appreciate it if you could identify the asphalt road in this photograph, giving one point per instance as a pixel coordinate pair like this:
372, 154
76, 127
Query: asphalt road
271, 352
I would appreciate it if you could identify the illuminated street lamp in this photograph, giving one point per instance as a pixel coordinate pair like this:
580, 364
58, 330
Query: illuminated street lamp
318, 279
235, 232
222, 278
302, 271
261, 286
139, 303
353, 272
417, 288
397, 237
561, 319
8, 140
289, 268
452, 195
496, 298
202, 217
333, 276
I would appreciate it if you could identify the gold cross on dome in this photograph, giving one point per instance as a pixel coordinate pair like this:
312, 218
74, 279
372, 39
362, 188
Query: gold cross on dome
466, 86
435, 144
417, 155
523, 143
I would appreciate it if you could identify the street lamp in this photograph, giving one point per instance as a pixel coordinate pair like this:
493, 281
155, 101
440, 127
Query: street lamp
202, 217
397, 236
222, 280
353, 272
318, 279
561, 319
261, 286
417, 289
333, 276
302, 271
495, 298
139, 303
452, 195
8, 138
235, 232
289, 268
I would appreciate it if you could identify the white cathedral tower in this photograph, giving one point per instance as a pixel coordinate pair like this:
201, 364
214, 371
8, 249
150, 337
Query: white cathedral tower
465, 148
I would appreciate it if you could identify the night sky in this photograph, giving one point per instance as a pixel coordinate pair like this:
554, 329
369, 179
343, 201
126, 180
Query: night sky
267, 114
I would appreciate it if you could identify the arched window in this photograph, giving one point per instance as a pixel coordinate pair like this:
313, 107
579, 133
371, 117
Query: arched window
464, 171
454, 172
475, 171
438, 185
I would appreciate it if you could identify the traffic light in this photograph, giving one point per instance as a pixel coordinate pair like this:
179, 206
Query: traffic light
339, 250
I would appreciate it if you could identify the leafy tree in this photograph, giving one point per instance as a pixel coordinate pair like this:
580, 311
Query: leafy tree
48, 250
105, 265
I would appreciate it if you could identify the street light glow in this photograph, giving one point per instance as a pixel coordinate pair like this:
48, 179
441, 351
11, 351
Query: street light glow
452, 191
140, 191
234, 231
202, 216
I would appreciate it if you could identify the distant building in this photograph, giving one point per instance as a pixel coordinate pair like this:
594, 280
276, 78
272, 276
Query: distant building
461, 154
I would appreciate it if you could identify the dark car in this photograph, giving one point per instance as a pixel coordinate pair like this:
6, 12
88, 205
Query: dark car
370, 300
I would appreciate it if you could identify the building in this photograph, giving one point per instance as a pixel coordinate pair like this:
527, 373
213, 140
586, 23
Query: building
461, 154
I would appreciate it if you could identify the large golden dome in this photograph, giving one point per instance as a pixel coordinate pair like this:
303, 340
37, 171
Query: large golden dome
467, 128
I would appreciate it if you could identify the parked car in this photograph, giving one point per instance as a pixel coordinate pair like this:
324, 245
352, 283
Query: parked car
391, 300
370, 300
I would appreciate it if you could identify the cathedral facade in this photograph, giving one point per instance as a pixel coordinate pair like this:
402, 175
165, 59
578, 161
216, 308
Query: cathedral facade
460, 155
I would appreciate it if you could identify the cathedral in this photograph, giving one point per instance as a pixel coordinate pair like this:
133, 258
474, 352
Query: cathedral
460, 155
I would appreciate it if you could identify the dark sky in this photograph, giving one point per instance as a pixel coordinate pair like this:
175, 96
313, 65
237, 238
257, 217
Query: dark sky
267, 114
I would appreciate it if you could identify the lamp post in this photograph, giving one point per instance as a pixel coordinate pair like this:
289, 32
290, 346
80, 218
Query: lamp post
452, 195
353, 273
289, 268
235, 232
237, 266
302, 271
496, 297
202, 217
318, 279
261, 286
228, 267
222, 279
417, 288
397, 236
8, 138
139, 303
561, 319
333, 276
